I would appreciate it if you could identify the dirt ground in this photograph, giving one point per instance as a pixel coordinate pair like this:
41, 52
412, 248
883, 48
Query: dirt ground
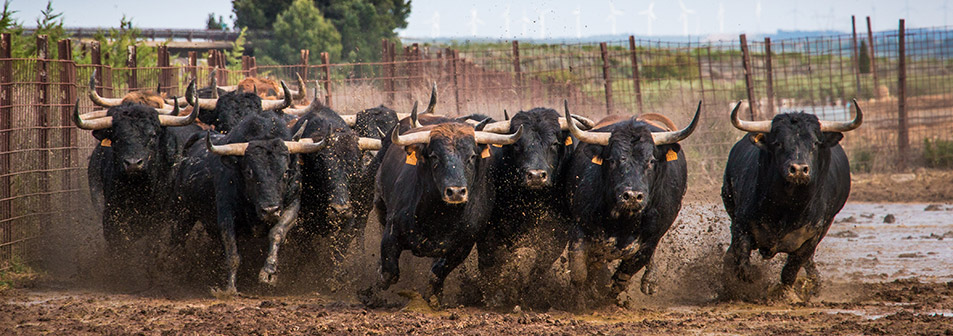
885, 268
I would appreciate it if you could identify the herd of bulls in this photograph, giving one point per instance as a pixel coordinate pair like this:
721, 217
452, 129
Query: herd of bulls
253, 170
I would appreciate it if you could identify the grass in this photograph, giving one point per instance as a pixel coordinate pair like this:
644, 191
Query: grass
17, 274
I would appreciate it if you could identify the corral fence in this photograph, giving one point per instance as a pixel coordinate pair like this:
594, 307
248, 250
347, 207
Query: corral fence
902, 79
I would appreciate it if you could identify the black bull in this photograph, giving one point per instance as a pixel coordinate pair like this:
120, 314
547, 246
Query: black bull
784, 183
434, 198
249, 184
626, 184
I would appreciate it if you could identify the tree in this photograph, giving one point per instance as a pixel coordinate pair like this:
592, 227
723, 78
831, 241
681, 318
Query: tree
361, 23
302, 26
863, 59
115, 46
238, 49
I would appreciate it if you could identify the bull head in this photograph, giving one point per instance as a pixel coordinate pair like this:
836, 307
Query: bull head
98, 120
660, 138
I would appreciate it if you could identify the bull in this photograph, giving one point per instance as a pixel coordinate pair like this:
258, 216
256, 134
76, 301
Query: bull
132, 167
238, 189
784, 183
433, 198
626, 181
226, 111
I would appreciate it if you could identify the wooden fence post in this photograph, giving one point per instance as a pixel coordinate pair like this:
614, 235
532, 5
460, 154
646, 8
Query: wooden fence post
165, 74
305, 55
43, 125
96, 60
770, 75
326, 62
133, 80
519, 73
903, 141
873, 59
67, 99
746, 62
6, 124
605, 76
194, 65
254, 67
636, 81
853, 26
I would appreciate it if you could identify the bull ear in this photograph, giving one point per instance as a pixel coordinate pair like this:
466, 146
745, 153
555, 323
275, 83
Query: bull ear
830, 139
757, 139
102, 134
230, 161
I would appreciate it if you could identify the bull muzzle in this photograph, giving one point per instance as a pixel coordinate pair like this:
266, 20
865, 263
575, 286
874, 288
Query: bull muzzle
536, 178
455, 195
134, 165
341, 211
798, 173
269, 213
629, 202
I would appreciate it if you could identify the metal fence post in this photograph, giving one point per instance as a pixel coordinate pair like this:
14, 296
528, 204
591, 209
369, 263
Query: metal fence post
873, 59
456, 81
67, 99
325, 61
853, 26
770, 75
746, 62
385, 72
165, 74
133, 80
193, 65
43, 124
96, 59
603, 48
519, 73
6, 124
636, 81
903, 141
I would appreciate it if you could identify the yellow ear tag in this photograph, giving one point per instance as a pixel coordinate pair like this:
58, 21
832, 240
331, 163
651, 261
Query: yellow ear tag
106, 143
757, 137
568, 141
411, 158
498, 145
486, 153
671, 155
597, 160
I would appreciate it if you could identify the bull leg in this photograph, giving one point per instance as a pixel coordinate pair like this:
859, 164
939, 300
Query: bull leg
232, 258
112, 233
390, 269
629, 266
492, 256
578, 261
803, 257
276, 236
441, 269
737, 260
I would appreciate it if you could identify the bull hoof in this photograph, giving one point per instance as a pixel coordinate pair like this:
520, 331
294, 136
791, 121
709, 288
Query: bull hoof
224, 294
371, 298
648, 287
266, 277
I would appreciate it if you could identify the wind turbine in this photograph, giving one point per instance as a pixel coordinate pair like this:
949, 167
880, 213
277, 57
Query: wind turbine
474, 21
542, 23
577, 13
684, 16
524, 22
649, 17
506, 21
721, 17
612, 14
435, 24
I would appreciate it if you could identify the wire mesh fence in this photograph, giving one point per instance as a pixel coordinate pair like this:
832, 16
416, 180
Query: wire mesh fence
43, 157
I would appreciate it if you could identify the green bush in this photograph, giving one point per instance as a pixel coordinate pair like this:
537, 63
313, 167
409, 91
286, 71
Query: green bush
938, 153
862, 161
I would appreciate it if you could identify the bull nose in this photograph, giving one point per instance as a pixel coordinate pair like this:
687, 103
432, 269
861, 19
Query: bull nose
133, 164
270, 212
536, 177
454, 195
341, 209
632, 197
799, 173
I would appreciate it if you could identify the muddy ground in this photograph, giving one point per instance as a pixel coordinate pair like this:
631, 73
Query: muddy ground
885, 269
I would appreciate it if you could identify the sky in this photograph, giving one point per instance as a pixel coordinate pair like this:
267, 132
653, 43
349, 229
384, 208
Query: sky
547, 19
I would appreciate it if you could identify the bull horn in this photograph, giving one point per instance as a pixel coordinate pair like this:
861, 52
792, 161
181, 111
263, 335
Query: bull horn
506, 116
173, 111
204, 103
300, 132
844, 126
255, 89
304, 146
94, 96
368, 143
92, 125
213, 79
487, 138
497, 127
300, 93
588, 123
173, 100
381, 133
413, 116
481, 126
278, 104
749, 126
94, 115
232, 149
665, 138
596, 138
350, 120
409, 139
175, 120
563, 125
433, 99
